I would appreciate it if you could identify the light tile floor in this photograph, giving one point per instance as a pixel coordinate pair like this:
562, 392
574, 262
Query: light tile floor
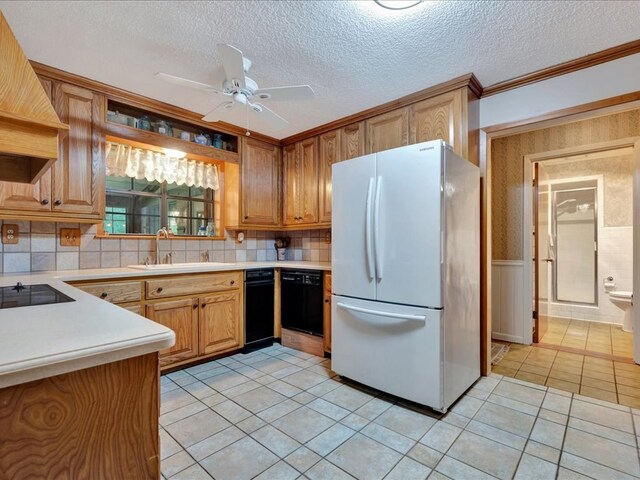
283, 414
591, 336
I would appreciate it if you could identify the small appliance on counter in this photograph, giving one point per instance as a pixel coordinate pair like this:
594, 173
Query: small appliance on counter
281, 245
21, 295
406, 272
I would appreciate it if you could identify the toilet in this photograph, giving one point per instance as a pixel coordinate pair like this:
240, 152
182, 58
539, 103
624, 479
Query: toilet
624, 300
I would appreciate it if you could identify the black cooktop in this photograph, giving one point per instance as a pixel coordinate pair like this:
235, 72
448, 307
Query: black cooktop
26, 295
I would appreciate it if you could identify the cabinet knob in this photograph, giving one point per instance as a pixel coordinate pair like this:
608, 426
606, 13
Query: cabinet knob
246, 217
195, 305
104, 295
233, 282
203, 305
57, 203
326, 301
45, 202
159, 289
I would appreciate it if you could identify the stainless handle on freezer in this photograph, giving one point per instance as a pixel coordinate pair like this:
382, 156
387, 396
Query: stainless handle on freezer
376, 229
367, 233
400, 316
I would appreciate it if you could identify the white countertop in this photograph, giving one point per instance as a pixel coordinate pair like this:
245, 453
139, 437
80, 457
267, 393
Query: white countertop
46, 340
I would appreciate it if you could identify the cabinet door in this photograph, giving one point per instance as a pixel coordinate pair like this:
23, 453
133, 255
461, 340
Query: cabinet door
220, 321
24, 196
329, 154
327, 312
259, 183
291, 186
438, 117
308, 180
389, 130
78, 175
181, 316
352, 141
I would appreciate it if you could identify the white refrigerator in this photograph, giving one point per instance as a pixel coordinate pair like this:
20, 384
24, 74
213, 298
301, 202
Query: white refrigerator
406, 272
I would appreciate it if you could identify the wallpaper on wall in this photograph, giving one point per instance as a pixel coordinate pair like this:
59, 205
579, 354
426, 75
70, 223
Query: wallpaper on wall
507, 170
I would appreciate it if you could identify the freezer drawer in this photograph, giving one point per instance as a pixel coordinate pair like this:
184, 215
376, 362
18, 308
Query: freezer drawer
393, 348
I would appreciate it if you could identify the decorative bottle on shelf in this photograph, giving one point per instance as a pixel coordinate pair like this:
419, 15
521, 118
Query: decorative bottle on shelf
203, 229
217, 140
144, 123
210, 229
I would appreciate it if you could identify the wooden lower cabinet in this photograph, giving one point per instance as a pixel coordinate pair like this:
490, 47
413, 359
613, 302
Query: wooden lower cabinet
327, 312
220, 322
100, 422
181, 316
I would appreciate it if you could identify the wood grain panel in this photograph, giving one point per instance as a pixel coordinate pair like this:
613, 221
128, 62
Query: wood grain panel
79, 171
27, 196
260, 183
352, 141
291, 186
330, 151
114, 292
308, 180
181, 316
438, 117
100, 422
386, 131
220, 326
303, 342
327, 312
188, 285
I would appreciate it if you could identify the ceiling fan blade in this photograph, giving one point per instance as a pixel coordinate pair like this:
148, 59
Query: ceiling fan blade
292, 93
215, 114
233, 64
183, 82
269, 116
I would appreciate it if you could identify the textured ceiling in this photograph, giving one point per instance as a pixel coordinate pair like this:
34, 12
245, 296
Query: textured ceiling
354, 54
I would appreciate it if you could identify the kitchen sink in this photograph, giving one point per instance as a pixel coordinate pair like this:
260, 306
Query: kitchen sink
180, 266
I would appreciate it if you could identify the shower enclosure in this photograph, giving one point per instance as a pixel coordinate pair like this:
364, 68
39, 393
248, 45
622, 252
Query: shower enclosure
574, 243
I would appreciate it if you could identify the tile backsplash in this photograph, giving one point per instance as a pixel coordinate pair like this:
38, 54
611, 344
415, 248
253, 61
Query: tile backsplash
39, 249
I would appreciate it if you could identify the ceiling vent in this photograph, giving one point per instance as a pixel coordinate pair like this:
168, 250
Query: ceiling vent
29, 126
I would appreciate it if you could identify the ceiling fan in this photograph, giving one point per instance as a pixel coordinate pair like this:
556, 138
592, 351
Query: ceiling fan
243, 90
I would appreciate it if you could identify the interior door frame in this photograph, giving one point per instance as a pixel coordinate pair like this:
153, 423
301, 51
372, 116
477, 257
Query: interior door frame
527, 234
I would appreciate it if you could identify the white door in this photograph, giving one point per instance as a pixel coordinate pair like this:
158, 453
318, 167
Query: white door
393, 348
407, 225
352, 259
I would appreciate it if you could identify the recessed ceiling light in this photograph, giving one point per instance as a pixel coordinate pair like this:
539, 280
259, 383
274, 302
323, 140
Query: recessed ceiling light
397, 4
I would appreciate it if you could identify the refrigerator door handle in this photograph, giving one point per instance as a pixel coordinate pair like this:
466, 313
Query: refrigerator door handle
376, 229
367, 234
380, 313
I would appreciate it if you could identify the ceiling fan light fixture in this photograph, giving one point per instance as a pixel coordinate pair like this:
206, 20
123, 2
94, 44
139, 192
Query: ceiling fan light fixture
397, 4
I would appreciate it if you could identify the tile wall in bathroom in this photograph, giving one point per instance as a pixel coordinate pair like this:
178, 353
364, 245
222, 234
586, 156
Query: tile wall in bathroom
39, 249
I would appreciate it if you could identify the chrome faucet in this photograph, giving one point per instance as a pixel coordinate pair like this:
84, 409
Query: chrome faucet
162, 232
170, 258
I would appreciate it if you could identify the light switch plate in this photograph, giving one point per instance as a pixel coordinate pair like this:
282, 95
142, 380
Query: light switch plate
10, 234
70, 237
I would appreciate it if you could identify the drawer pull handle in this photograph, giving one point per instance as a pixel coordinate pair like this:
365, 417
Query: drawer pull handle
104, 295
159, 290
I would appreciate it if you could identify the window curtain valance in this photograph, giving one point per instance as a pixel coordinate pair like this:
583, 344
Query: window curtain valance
128, 161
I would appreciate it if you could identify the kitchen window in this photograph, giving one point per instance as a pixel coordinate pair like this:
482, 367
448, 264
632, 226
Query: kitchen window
139, 206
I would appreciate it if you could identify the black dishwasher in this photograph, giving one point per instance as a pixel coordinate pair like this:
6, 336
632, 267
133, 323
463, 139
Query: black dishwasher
301, 306
258, 309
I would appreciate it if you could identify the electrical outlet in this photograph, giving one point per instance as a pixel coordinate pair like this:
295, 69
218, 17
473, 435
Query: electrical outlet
10, 234
70, 237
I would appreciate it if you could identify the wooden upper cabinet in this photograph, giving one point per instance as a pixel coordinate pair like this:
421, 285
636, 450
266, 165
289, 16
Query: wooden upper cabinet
330, 153
300, 163
352, 141
389, 130
220, 322
79, 172
260, 183
181, 316
438, 117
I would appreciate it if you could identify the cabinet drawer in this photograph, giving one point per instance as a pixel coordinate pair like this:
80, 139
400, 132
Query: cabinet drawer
120, 292
192, 285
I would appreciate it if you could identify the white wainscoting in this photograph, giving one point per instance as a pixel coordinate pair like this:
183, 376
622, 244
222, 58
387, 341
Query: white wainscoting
508, 301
